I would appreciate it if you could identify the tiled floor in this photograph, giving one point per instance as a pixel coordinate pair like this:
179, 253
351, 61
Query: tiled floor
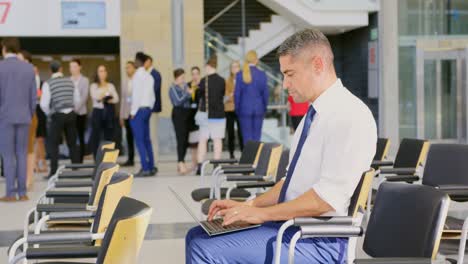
164, 241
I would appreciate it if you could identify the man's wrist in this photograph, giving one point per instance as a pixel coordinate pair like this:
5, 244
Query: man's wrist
250, 203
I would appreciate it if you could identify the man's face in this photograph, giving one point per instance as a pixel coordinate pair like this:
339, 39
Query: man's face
148, 64
130, 69
300, 76
75, 68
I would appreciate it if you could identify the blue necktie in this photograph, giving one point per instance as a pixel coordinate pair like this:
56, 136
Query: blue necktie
305, 131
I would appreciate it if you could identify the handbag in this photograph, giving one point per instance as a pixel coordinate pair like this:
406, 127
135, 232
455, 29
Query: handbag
201, 118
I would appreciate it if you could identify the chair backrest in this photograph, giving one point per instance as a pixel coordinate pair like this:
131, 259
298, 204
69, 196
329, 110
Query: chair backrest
359, 198
383, 145
274, 160
446, 164
127, 228
102, 177
119, 186
250, 152
407, 221
411, 153
264, 158
110, 155
282, 165
102, 147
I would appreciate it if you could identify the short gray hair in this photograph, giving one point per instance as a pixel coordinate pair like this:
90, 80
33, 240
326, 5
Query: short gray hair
304, 39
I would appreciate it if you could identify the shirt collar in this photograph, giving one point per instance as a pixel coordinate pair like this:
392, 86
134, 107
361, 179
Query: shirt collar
57, 75
328, 99
10, 55
150, 69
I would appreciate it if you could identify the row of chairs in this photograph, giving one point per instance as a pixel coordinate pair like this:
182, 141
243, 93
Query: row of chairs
406, 223
103, 223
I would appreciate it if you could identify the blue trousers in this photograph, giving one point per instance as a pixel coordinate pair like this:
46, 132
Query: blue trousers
251, 127
141, 133
13, 149
257, 246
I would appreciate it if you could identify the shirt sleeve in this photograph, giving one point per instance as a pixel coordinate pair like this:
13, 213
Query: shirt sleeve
114, 94
45, 98
83, 95
348, 154
94, 92
135, 98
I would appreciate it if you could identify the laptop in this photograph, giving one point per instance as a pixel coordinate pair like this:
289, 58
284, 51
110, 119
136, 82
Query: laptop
214, 227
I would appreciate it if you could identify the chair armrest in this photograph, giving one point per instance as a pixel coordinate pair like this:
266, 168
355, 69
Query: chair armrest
453, 187
67, 194
246, 178
331, 231
394, 261
249, 185
71, 215
223, 161
60, 253
398, 171
456, 193
60, 237
382, 163
73, 184
402, 178
323, 220
80, 166
238, 170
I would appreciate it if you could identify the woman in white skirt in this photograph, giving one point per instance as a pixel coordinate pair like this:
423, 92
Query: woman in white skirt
210, 116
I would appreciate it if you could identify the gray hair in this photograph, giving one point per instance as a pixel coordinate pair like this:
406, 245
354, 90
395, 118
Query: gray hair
307, 38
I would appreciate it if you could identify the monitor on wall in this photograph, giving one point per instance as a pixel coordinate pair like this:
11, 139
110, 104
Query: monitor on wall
83, 15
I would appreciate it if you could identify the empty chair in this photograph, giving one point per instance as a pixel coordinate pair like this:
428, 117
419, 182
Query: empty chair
381, 152
119, 186
121, 242
405, 226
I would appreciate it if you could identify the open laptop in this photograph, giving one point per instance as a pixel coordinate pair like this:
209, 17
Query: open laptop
214, 227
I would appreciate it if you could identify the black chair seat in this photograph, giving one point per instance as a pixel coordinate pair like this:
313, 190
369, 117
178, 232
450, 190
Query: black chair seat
48, 208
204, 193
57, 194
64, 252
77, 174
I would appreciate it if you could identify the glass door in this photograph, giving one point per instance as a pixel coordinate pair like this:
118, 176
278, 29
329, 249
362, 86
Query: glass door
441, 95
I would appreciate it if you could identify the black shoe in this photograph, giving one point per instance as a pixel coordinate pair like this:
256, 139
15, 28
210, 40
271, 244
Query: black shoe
139, 173
232, 156
198, 173
148, 173
154, 171
128, 163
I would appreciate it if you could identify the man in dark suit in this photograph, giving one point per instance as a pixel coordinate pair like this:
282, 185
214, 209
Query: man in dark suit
17, 106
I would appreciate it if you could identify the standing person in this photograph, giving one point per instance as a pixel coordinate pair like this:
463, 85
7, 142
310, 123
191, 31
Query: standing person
231, 117
180, 95
125, 106
17, 106
142, 103
30, 160
41, 131
251, 98
81, 99
104, 98
57, 102
297, 111
157, 106
194, 133
212, 89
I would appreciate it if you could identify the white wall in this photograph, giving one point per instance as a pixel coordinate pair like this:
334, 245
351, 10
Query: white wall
44, 18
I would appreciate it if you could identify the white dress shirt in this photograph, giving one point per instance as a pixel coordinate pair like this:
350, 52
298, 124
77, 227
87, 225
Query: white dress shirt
142, 90
339, 148
45, 98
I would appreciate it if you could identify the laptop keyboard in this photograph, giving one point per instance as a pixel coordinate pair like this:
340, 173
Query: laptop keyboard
216, 226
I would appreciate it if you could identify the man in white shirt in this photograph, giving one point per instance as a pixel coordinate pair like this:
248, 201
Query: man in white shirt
140, 113
332, 147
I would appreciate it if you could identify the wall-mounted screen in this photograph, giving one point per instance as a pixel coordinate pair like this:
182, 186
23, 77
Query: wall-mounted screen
83, 15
